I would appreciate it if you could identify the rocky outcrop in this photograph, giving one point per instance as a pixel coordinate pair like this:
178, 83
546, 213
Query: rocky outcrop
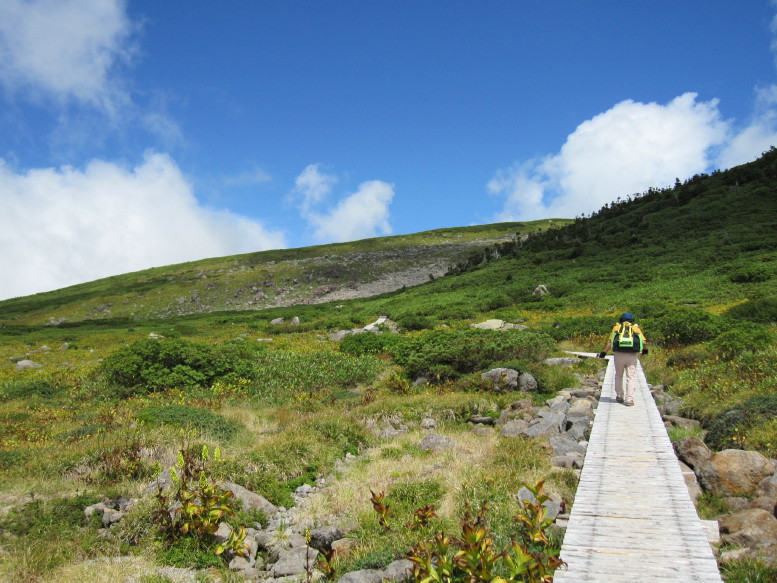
734, 472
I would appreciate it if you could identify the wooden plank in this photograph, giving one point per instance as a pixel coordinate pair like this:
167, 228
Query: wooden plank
633, 519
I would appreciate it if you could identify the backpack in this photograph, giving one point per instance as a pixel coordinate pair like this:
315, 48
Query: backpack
624, 339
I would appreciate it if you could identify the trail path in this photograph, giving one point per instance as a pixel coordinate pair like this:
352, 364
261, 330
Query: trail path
632, 518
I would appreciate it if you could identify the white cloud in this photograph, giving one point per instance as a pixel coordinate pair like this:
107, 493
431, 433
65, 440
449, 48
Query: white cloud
62, 226
362, 214
622, 151
66, 49
758, 136
312, 187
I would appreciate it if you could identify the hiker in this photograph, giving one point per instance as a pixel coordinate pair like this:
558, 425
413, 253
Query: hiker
626, 341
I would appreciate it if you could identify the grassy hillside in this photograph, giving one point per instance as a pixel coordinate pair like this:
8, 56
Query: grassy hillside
109, 407
256, 281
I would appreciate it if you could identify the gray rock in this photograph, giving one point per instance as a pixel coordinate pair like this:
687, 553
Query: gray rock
27, 364
391, 433
482, 430
734, 472
548, 424
363, 576
561, 407
398, 570
577, 427
276, 321
295, 321
513, 428
294, 561
556, 400
693, 451
749, 528
322, 538
163, 481
340, 334
569, 461
563, 445
562, 361
527, 383
501, 379
428, 423
251, 500
767, 487
436, 442
682, 422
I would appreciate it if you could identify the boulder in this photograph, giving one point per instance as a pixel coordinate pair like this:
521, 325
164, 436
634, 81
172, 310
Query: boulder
339, 335
569, 461
396, 571
295, 321
563, 445
749, 528
276, 321
540, 291
733, 472
682, 422
562, 361
764, 503
527, 383
322, 538
767, 487
428, 423
251, 500
693, 451
577, 427
27, 364
482, 431
547, 425
436, 442
501, 379
513, 428
294, 561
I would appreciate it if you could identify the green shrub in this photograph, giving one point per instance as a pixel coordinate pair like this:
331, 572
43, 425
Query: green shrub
451, 353
416, 322
734, 342
367, 343
686, 326
751, 273
48, 519
152, 365
568, 328
285, 374
763, 310
204, 421
729, 430
189, 552
24, 389
10, 459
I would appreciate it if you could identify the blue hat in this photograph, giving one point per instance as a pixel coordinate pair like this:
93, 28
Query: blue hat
627, 317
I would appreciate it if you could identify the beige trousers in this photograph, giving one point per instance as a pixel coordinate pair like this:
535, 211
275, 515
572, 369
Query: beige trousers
626, 364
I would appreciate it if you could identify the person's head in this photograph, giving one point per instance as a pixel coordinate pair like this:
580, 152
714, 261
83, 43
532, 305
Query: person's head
627, 317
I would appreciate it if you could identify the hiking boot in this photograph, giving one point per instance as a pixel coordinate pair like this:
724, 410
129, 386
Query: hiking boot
619, 399
629, 403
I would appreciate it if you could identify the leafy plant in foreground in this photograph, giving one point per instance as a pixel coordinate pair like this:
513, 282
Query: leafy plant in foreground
473, 557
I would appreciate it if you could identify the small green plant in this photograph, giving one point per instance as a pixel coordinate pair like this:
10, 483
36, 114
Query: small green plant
381, 508
421, 517
474, 558
196, 507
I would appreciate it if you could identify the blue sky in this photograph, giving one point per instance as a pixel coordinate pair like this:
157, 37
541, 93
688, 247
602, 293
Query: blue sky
140, 133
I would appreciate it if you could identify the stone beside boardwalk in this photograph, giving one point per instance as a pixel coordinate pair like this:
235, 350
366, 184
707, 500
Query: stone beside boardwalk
632, 518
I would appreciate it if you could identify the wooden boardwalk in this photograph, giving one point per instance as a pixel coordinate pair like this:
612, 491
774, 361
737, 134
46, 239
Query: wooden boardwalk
632, 518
